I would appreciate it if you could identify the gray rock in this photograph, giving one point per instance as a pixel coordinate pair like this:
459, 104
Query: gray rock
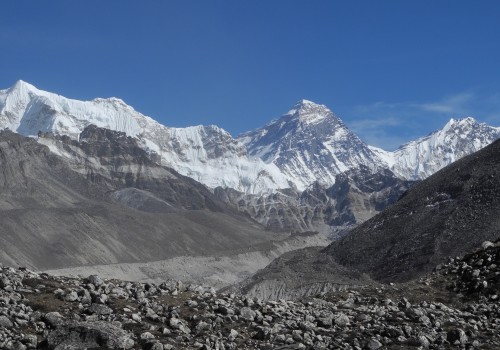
247, 313
84, 295
487, 244
5, 322
89, 335
340, 319
423, 341
99, 309
456, 335
202, 326
30, 340
95, 280
373, 344
263, 333
71, 296
326, 321
4, 282
306, 326
18, 346
226, 311
52, 319
232, 335
146, 335
176, 323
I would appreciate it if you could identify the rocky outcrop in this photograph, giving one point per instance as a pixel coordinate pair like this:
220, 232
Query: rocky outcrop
355, 197
89, 334
475, 275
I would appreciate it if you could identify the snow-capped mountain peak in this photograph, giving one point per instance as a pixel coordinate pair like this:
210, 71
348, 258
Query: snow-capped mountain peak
199, 152
28, 110
459, 137
460, 123
22, 85
309, 112
309, 143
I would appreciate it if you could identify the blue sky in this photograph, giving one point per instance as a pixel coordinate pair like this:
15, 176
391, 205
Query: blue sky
392, 70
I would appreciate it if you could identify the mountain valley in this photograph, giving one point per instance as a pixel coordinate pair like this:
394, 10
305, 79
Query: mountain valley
275, 173
121, 232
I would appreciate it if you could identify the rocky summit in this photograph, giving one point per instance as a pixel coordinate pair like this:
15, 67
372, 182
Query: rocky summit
456, 306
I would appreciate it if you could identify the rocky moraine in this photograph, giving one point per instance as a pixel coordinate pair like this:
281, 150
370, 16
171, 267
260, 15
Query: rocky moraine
454, 307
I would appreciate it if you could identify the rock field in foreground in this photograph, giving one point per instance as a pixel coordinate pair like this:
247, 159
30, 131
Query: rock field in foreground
451, 308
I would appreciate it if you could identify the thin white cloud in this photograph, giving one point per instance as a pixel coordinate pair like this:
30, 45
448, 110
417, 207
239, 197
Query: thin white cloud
363, 124
455, 104
388, 125
374, 131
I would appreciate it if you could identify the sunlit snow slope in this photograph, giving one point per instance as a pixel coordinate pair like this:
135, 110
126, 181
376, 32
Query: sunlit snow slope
308, 144
206, 153
423, 157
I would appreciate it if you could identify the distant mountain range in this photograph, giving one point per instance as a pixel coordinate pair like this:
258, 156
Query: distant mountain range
308, 144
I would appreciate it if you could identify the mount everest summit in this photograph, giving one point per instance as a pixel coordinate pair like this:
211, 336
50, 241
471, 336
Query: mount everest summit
308, 144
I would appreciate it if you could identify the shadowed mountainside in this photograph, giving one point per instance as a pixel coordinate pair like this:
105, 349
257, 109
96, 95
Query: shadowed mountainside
59, 211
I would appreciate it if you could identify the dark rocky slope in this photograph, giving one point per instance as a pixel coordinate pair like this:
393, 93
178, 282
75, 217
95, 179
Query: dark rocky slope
113, 160
68, 210
300, 273
448, 214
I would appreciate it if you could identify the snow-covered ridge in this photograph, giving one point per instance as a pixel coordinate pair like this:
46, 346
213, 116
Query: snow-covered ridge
310, 143
206, 153
27, 110
459, 137
307, 144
